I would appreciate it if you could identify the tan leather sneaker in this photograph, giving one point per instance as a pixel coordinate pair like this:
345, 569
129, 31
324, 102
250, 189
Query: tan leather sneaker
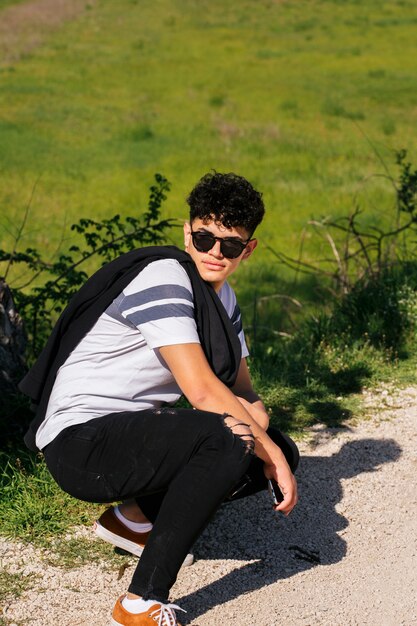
111, 529
160, 614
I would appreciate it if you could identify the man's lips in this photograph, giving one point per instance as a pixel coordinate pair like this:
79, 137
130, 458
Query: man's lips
213, 265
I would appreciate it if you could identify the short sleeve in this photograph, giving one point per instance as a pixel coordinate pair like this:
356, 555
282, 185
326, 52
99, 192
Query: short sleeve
159, 303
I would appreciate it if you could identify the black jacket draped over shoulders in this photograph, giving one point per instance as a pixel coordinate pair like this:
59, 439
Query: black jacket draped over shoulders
217, 334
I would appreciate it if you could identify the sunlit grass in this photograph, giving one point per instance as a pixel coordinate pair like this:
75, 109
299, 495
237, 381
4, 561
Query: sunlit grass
282, 93
32, 505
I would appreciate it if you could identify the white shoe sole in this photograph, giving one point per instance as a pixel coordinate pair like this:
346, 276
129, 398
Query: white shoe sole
129, 546
116, 540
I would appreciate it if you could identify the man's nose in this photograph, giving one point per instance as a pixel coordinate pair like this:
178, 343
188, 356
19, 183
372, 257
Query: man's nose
216, 250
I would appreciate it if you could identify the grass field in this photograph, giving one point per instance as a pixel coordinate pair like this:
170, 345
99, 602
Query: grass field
289, 94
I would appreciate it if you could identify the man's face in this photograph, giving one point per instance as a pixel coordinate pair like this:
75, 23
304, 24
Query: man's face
212, 265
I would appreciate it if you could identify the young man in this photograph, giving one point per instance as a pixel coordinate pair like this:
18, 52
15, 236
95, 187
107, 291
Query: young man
154, 325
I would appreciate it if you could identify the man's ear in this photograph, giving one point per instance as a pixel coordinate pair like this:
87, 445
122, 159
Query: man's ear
187, 235
249, 249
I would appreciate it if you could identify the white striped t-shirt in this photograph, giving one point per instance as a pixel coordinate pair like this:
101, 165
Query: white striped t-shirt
116, 366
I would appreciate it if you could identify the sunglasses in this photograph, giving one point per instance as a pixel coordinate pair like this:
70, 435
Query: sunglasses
230, 248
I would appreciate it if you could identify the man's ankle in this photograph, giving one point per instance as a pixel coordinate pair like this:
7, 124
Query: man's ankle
136, 527
131, 511
136, 604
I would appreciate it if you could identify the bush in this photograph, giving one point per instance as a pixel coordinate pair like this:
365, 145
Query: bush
58, 280
307, 377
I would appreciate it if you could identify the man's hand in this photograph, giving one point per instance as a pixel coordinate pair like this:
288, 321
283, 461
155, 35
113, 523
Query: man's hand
281, 473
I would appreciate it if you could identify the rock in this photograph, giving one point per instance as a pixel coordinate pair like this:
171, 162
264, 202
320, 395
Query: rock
12, 347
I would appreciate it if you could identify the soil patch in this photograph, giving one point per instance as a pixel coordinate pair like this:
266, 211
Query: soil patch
23, 27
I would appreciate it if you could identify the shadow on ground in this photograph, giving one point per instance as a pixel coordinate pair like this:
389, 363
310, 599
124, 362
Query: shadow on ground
279, 547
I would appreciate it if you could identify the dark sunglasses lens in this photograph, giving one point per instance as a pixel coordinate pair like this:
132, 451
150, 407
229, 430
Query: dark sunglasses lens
203, 242
232, 249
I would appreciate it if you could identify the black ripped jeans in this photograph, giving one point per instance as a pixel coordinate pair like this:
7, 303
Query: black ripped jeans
179, 464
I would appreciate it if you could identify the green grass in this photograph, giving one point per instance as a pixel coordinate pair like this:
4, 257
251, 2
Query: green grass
327, 389
6, 3
317, 374
32, 506
274, 91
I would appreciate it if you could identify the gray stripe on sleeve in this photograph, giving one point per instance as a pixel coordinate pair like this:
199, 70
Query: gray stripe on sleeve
152, 294
235, 314
237, 319
238, 325
158, 312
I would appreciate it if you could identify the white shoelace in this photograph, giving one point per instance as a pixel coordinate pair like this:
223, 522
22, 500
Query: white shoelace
167, 615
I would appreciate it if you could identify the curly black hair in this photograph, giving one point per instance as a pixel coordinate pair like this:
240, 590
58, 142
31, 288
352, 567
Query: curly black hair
229, 199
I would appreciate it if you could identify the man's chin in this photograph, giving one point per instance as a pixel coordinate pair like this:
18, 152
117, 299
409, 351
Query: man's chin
214, 278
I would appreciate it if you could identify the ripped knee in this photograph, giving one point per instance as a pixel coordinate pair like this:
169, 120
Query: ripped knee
241, 430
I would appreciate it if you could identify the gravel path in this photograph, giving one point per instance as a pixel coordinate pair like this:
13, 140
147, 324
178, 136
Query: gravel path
345, 556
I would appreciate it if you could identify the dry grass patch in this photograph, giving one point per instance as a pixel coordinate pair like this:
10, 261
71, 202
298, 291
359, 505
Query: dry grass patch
23, 27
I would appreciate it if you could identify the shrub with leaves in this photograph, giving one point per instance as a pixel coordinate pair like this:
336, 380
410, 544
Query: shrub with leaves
56, 281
